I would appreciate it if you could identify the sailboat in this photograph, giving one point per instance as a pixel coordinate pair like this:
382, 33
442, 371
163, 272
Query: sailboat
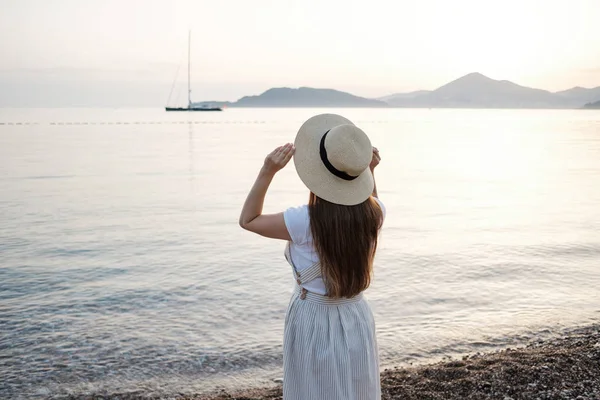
190, 107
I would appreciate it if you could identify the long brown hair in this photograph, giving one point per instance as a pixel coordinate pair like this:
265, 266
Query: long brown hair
345, 238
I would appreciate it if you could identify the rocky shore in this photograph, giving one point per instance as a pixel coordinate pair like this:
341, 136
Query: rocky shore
567, 367
562, 368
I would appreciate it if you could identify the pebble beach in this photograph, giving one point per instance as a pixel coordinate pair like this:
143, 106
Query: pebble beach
566, 367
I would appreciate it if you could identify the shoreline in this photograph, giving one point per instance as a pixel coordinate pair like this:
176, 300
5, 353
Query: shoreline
563, 367
566, 367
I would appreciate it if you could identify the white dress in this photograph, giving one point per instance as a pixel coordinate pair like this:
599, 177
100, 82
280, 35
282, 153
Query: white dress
329, 346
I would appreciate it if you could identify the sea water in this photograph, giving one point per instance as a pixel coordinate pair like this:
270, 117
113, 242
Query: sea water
123, 268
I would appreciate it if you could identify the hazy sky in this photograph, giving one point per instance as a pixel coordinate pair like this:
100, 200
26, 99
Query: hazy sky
54, 50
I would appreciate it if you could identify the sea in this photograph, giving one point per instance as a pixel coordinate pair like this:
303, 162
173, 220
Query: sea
123, 268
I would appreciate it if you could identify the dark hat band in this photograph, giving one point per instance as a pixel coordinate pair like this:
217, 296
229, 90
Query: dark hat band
331, 168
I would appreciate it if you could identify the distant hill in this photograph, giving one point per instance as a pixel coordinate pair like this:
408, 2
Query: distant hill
301, 97
578, 95
470, 91
306, 97
478, 91
595, 105
403, 96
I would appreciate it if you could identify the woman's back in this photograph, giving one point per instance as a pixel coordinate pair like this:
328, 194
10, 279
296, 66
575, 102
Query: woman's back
302, 247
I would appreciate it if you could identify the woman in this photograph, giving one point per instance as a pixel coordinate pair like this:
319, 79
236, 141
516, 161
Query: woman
330, 349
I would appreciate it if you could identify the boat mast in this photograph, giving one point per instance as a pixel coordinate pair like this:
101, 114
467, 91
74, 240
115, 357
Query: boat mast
189, 90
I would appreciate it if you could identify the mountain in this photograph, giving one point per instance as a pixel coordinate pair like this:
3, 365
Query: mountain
595, 105
402, 96
470, 91
306, 97
478, 91
579, 95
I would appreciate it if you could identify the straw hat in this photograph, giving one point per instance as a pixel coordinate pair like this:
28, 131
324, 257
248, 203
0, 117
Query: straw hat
332, 159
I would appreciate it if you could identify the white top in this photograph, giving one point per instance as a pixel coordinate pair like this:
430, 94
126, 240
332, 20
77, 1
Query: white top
302, 250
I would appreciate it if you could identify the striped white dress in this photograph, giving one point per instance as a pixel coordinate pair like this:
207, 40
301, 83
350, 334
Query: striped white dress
329, 345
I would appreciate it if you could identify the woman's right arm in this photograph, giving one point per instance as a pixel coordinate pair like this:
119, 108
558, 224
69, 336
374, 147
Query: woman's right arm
251, 217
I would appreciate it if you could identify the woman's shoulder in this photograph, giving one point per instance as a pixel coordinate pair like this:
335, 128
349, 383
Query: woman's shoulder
297, 222
380, 205
296, 214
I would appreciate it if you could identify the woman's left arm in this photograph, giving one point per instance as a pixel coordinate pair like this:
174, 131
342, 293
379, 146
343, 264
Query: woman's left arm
252, 218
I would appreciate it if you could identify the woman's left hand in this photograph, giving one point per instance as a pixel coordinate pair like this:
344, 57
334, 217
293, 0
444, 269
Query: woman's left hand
278, 158
375, 160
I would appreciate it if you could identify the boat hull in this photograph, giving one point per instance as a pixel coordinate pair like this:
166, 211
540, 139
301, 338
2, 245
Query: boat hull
193, 109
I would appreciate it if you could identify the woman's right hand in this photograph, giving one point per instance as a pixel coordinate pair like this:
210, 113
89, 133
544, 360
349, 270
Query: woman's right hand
278, 158
375, 160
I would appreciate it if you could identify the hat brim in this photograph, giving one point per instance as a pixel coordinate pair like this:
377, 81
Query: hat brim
313, 172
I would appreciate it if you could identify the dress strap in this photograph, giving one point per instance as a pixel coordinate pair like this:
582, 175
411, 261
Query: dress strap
310, 273
306, 275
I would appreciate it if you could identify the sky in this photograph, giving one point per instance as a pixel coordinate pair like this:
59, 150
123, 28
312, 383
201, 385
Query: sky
129, 52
